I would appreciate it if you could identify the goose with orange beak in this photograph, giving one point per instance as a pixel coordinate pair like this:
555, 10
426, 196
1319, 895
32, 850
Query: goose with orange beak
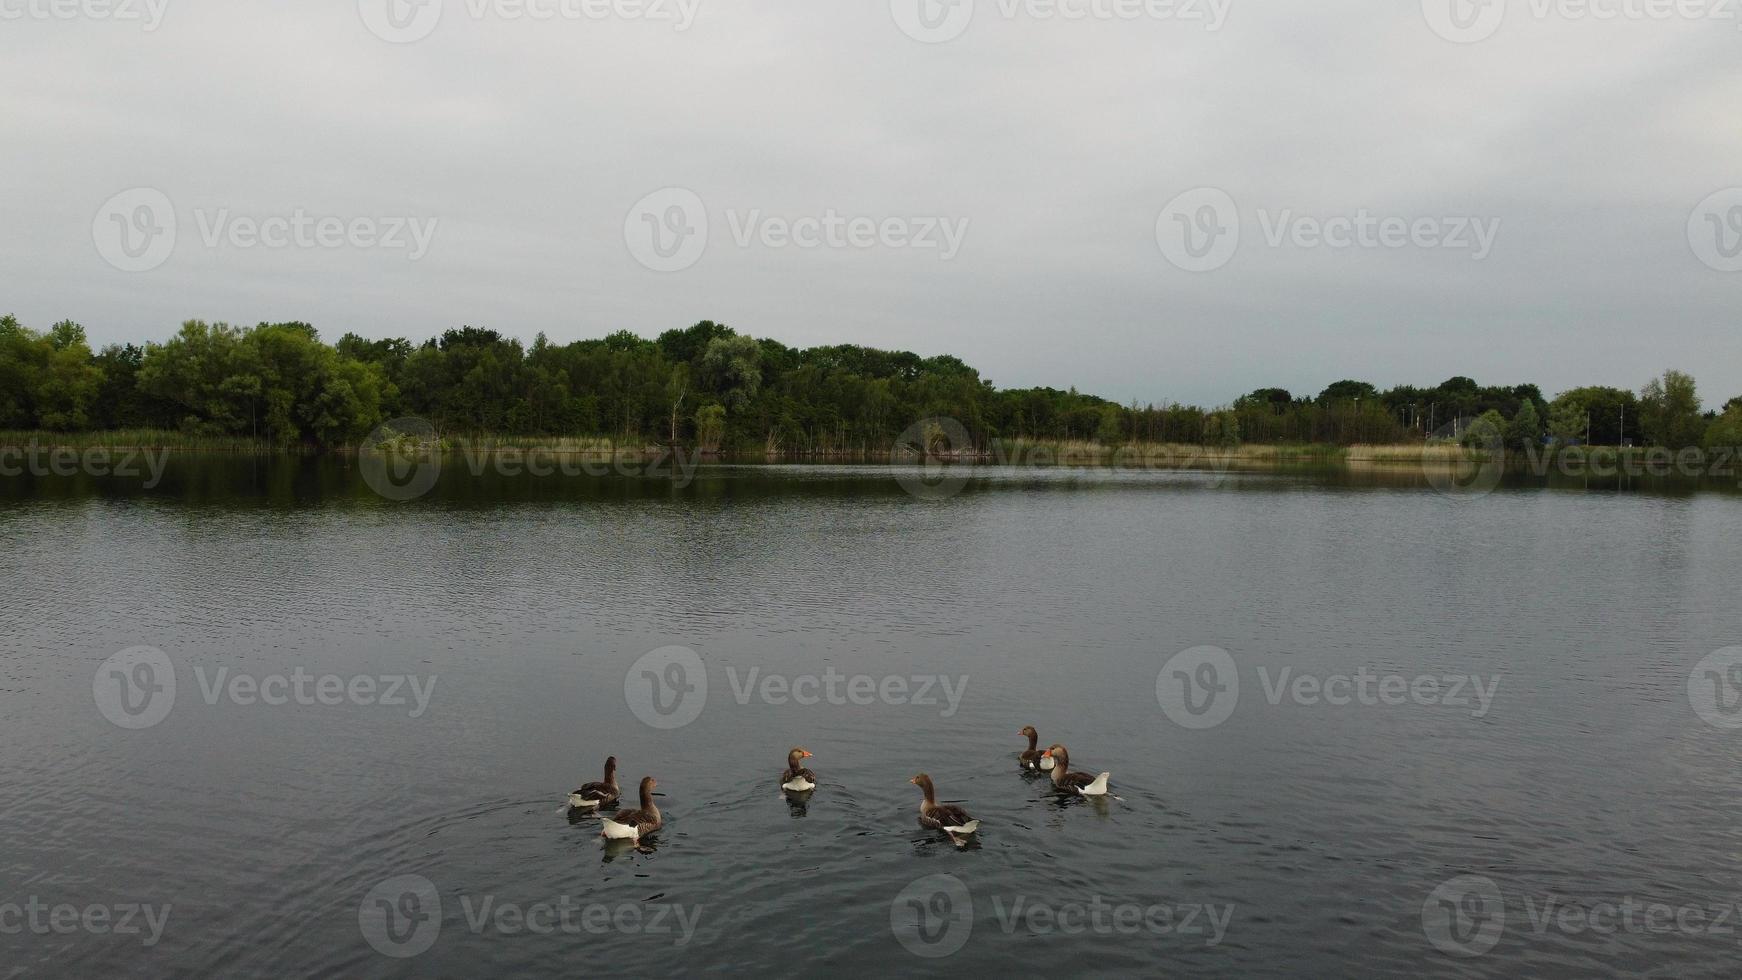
797, 778
1074, 783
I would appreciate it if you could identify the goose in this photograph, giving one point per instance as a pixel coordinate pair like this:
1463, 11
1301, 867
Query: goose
1034, 758
592, 796
1074, 783
633, 824
952, 820
797, 778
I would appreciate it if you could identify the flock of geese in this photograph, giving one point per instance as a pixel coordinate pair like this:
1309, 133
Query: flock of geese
797, 778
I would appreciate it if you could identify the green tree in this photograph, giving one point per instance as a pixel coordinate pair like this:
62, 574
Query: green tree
1486, 431
1613, 412
731, 369
1525, 429
1566, 422
1725, 431
710, 427
1342, 391
1221, 428
1669, 410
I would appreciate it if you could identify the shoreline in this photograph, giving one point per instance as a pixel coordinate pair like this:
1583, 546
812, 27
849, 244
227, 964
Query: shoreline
1012, 452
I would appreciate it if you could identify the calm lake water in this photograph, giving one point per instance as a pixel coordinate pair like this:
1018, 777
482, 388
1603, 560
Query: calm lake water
1434, 736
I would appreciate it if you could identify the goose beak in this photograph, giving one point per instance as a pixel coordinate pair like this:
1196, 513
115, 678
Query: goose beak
807, 755
1047, 754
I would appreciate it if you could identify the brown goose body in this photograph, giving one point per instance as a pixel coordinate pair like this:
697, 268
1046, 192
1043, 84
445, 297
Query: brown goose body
592, 796
639, 822
947, 817
1074, 783
796, 777
1030, 758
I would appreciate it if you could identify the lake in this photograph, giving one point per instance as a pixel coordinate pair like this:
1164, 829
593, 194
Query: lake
264, 721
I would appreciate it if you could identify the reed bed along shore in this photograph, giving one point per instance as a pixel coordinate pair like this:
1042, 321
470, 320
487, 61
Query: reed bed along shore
1010, 452
1014, 451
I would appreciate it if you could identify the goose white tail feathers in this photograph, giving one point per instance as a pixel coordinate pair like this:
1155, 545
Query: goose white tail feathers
618, 831
1046, 763
1098, 787
799, 785
965, 829
580, 802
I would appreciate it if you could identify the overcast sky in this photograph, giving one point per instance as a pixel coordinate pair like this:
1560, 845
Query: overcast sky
618, 166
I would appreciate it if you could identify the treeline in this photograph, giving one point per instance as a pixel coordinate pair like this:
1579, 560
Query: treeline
711, 386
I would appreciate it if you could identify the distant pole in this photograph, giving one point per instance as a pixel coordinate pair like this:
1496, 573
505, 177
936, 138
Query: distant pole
1621, 436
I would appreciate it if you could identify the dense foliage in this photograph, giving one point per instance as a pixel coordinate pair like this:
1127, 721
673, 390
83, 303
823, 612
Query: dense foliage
712, 386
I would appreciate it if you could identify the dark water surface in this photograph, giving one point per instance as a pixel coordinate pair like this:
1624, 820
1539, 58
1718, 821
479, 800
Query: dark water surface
1594, 798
